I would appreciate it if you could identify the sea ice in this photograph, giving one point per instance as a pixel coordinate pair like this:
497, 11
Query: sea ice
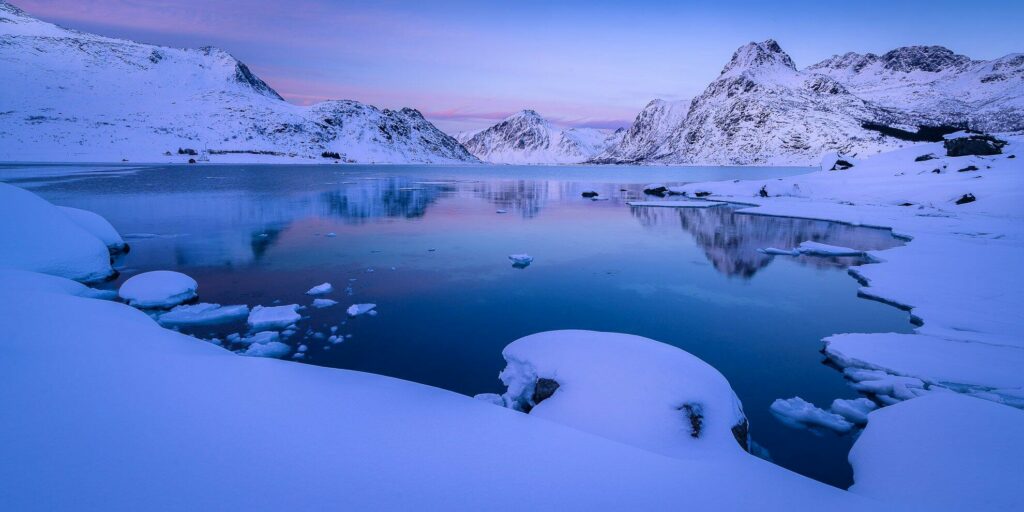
520, 260
855, 411
273, 317
798, 413
274, 349
323, 303
359, 309
256, 338
158, 289
320, 289
203, 314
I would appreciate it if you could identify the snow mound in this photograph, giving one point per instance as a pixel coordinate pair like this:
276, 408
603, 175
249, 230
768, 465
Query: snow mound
97, 225
158, 289
943, 452
23, 280
798, 413
320, 289
203, 314
40, 237
323, 303
359, 309
627, 388
273, 317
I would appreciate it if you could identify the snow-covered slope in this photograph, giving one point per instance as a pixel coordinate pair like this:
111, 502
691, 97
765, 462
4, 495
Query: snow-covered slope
763, 110
931, 84
527, 138
72, 96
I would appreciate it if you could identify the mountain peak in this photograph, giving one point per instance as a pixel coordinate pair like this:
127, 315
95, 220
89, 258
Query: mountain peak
758, 55
931, 59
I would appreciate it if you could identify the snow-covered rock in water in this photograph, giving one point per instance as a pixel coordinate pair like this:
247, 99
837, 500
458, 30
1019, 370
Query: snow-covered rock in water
39, 237
627, 388
647, 136
203, 314
64, 89
24, 280
323, 303
158, 289
854, 410
98, 226
798, 413
359, 309
943, 452
527, 138
520, 260
320, 289
273, 317
274, 349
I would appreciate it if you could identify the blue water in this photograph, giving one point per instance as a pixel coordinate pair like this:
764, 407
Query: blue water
426, 245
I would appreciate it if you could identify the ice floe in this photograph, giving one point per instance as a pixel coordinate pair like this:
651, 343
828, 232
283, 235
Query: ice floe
520, 260
798, 413
320, 289
203, 314
273, 317
274, 349
359, 309
810, 248
158, 289
853, 410
323, 303
682, 203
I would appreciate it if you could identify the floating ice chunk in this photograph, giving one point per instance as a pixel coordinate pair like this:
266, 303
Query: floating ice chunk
97, 225
520, 260
320, 289
501, 211
273, 317
158, 289
203, 314
260, 337
268, 349
359, 309
778, 252
798, 413
819, 249
855, 411
677, 204
323, 303
302, 348
331, 234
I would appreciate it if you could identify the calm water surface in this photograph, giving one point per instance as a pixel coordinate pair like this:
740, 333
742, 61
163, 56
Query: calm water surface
426, 245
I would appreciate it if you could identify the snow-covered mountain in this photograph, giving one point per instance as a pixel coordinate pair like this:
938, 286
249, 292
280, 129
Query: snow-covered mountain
934, 85
761, 109
73, 96
648, 133
527, 138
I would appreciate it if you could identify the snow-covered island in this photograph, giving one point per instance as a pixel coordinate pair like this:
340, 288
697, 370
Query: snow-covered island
109, 410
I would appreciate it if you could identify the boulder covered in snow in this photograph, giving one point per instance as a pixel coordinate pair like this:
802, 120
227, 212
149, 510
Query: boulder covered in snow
627, 388
40, 237
158, 289
98, 226
834, 161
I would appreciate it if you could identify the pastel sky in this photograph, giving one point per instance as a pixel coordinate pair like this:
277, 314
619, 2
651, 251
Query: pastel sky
467, 64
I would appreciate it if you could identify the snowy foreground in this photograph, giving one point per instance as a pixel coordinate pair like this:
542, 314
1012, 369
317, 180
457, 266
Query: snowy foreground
107, 410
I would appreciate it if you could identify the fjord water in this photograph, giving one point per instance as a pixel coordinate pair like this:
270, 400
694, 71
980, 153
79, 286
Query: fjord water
426, 244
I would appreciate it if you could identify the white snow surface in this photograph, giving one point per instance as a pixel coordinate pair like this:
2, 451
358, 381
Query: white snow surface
203, 314
273, 317
676, 204
64, 99
853, 410
39, 237
626, 388
959, 275
943, 452
158, 289
15, 280
97, 225
799, 413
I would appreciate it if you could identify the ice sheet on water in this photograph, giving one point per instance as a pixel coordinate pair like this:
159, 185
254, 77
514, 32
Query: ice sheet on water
520, 260
203, 314
158, 289
320, 289
799, 413
359, 309
323, 303
273, 317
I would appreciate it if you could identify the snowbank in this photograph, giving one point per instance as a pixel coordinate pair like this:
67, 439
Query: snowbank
158, 289
97, 225
22, 280
942, 452
40, 237
626, 388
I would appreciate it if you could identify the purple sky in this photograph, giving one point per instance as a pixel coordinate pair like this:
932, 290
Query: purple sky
467, 64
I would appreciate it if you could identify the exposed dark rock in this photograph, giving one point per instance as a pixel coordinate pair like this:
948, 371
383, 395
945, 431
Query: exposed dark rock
966, 198
1012, 156
923, 158
589, 193
969, 168
741, 431
656, 191
695, 414
331, 154
543, 390
191, 160
974, 145
906, 204
937, 171
841, 165
701, 193
923, 133
187, 151
763, 192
